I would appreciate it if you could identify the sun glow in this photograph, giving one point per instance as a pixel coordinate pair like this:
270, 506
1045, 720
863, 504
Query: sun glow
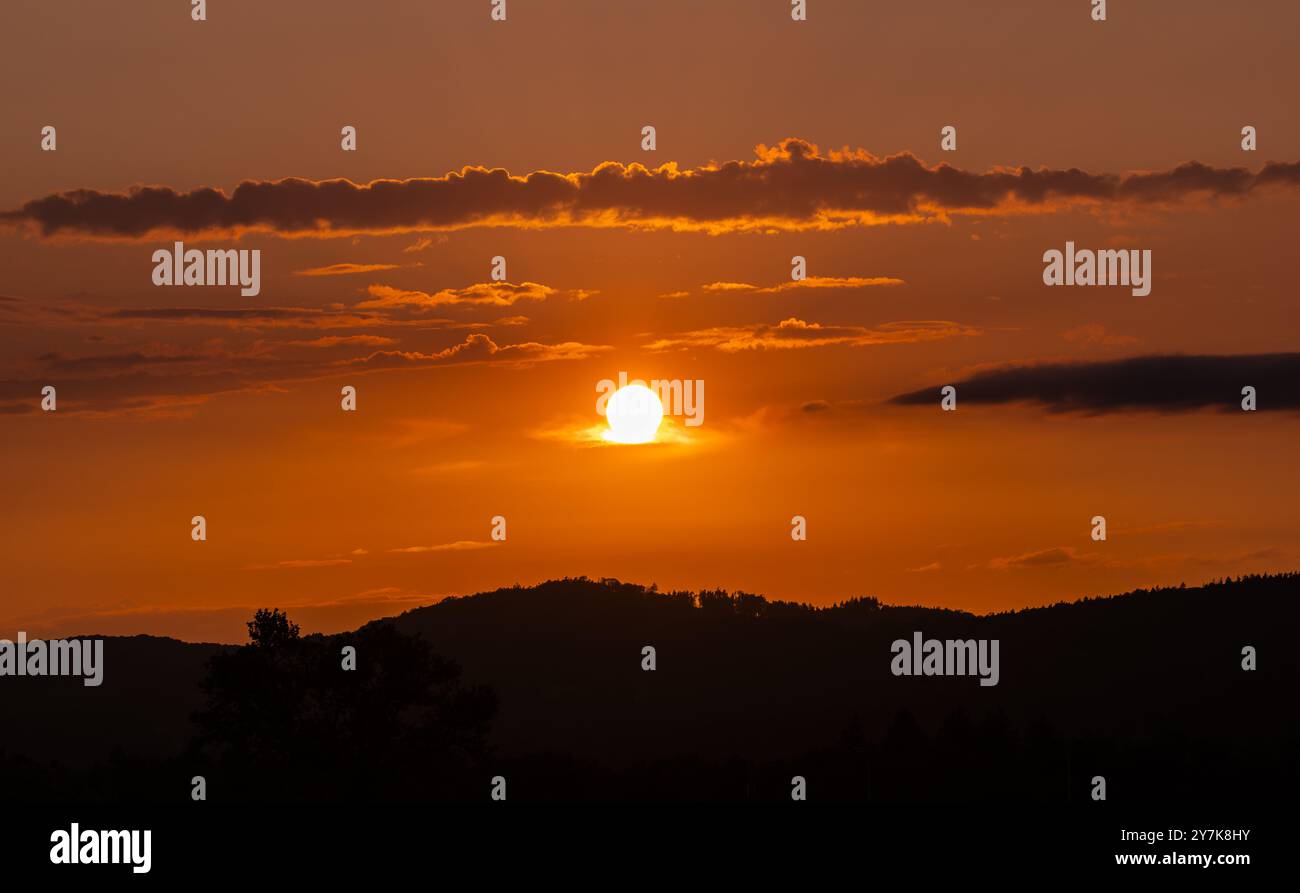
634, 414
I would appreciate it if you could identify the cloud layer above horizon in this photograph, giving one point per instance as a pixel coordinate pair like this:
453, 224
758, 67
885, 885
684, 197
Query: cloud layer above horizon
791, 186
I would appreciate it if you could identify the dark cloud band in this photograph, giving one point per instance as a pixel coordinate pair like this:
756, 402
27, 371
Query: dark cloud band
1162, 383
792, 185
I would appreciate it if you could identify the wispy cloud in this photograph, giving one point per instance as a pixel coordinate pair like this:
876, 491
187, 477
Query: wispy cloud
493, 294
141, 385
1097, 335
300, 563
795, 333
1054, 557
342, 340
808, 282
479, 348
458, 546
256, 318
925, 568
344, 269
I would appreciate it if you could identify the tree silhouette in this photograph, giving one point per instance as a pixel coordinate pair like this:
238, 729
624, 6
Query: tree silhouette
271, 628
285, 720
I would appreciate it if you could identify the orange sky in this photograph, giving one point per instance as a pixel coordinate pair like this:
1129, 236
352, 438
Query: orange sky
172, 405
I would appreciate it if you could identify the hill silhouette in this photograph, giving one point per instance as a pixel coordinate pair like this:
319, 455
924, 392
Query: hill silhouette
1145, 688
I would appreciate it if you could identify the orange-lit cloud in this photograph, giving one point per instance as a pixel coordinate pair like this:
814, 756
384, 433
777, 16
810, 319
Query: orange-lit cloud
344, 269
340, 340
584, 433
789, 186
138, 383
796, 333
494, 294
458, 546
254, 318
809, 282
479, 348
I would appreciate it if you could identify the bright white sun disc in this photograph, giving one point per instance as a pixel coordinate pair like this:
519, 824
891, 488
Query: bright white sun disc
634, 413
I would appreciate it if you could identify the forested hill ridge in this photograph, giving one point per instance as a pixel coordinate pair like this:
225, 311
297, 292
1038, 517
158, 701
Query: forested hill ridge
736, 673
1149, 687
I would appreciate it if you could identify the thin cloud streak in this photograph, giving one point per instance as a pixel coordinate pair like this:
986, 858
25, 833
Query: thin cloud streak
793, 334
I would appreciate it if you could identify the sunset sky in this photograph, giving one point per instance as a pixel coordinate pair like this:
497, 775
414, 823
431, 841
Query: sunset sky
775, 138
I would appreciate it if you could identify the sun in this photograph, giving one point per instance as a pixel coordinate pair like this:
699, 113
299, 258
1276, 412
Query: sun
634, 413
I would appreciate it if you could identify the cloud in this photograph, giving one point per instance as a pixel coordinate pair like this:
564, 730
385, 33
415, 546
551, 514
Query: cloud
344, 269
218, 623
808, 282
1056, 557
403, 433
300, 562
583, 433
109, 363
790, 186
479, 348
1063, 556
266, 317
133, 385
796, 333
458, 546
925, 568
494, 294
1174, 383
1097, 335
340, 340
